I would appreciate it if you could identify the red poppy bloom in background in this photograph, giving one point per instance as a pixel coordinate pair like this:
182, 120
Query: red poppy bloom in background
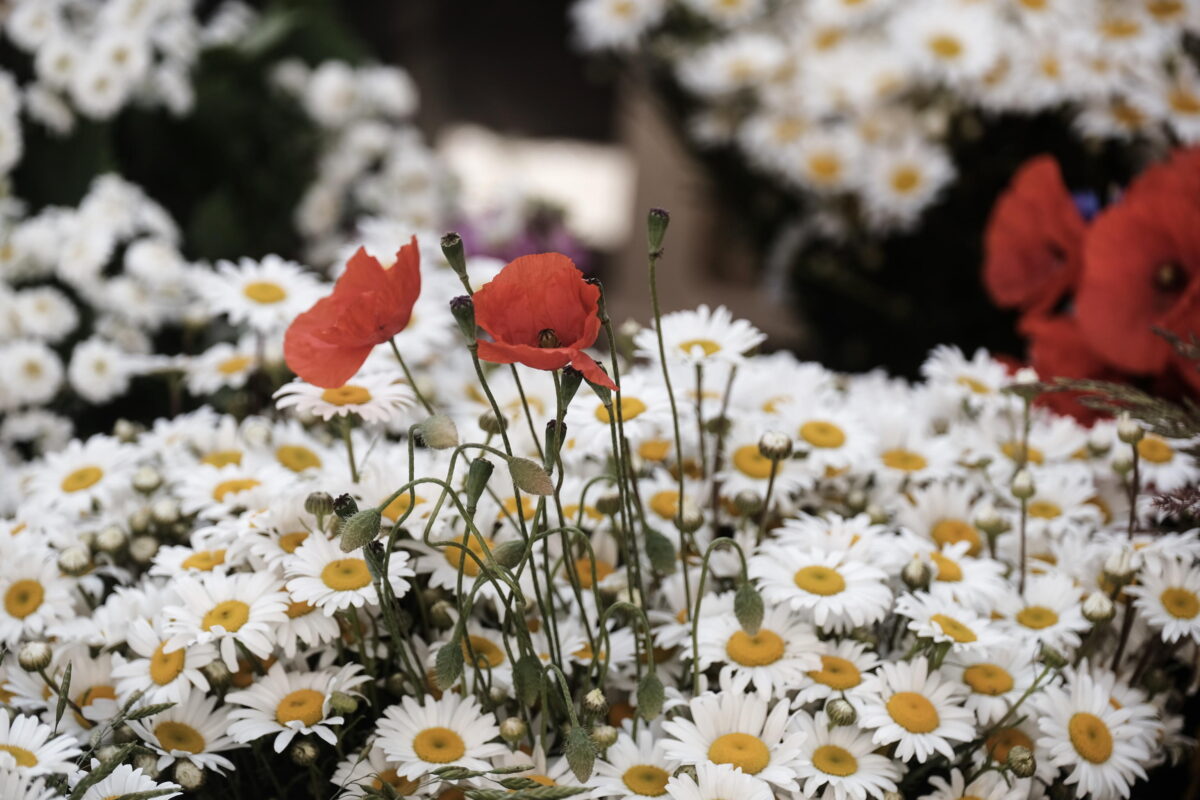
1142, 270
328, 343
540, 312
1034, 240
1057, 349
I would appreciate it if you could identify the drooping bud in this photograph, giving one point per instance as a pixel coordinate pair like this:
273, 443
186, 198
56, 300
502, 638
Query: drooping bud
656, 228
660, 550
748, 608
463, 310
527, 679
438, 432
916, 574
1022, 486
840, 711
604, 736
34, 656
775, 445
1098, 608
491, 424
509, 554
1021, 761
650, 696
513, 729
448, 663
608, 504
529, 476
361, 529
452, 249
319, 504
341, 703
580, 753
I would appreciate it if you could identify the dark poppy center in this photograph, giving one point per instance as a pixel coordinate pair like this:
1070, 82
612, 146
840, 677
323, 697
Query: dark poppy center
548, 338
1169, 276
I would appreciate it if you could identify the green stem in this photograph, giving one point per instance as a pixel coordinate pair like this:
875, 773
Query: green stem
346, 426
408, 377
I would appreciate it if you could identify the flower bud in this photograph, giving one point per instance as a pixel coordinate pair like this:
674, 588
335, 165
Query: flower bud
660, 550
840, 712
441, 614
452, 249
609, 504
396, 683
139, 520
509, 554
1022, 486
604, 736
146, 480
217, 674
34, 656
1122, 565
513, 729
463, 309
580, 752
165, 511
1021, 761
74, 561
650, 696
319, 504
748, 502
1098, 608
594, 702
1128, 430
498, 695
748, 608
341, 703
529, 476
188, 775
127, 431
438, 432
691, 519
572, 379
303, 752
1026, 376
148, 764
990, 522
1099, 442
490, 423
142, 549
857, 500
876, 514
916, 574
361, 529
775, 445
656, 228
111, 540
1122, 463
1052, 658
687, 769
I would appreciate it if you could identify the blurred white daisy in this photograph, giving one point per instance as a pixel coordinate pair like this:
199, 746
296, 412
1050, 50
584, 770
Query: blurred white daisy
194, 730
701, 336
265, 295
1169, 600
375, 398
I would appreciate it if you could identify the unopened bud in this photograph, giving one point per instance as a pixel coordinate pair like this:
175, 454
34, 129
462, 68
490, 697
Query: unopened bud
513, 729
529, 476
452, 249
840, 711
111, 540
217, 674
498, 695
1098, 608
1128, 430
509, 554
303, 752
396, 683
916, 574
1052, 658
604, 736
438, 432
608, 504
441, 614
748, 502
490, 423
463, 309
146, 480
127, 431
775, 445
319, 504
580, 752
1122, 565
686, 770
188, 775
1022, 486
1025, 376
148, 764
165, 511
1021, 761
1122, 463
34, 656
142, 549
856, 501
594, 702
361, 529
1157, 680
990, 522
341, 703
74, 561
691, 519
139, 520
1099, 442
656, 228
876, 514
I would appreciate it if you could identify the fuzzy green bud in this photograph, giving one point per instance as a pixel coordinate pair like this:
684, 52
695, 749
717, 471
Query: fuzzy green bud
319, 504
748, 607
448, 664
527, 679
361, 529
478, 475
580, 752
341, 703
604, 736
840, 711
529, 476
509, 554
1022, 486
650, 696
438, 432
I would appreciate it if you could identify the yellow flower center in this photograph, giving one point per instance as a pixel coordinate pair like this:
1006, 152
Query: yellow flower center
1090, 737
488, 654
528, 507
742, 750
179, 736
707, 345
819, 433
824, 167
631, 407
397, 507
223, 458
23, 757
913, 712
1155, 450
204, 560
165, 667
265, 292
300, 609
346, 574
665, 503
976, 386
905, 179
543, 780
288, 542
23, 598
1180, 603
945, 47
646, 780
438, 745
82, 478
1043, 509
297, 457
233, 486
456, 558
1004, 740
904, 460
764, 647
834, 760
389, 776
348, 395
89, 696
1037, 617
654, 449
952, 531
1164, 10
752, 463
583, 568
232, 366
1120, 28
948, 569
1014, 450
954, 629
305, 706
988, 679
819, 580
837, 673
229, 614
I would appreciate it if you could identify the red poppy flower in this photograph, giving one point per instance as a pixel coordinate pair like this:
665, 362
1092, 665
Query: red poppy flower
1034, 240
540, 312
1057, 349
328, 343
1179, 174
1141, 271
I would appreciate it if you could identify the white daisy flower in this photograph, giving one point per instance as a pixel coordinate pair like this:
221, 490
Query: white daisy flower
84, 475
989, 786
700, 337
1050, 611
162, 677
193, 730
30, 372
376, 398
717, 782
941, 621
29, 747
36, 596
844, 664
265, 295
1169, 600
638, 769
227, 609
972, 380
603, 24
996, 679
835, 590
321, 574
290, 702
361, 772
126, 780
20, 786
1163, 466
775, 658
225, 365
451, 731
841, 759
919, 710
